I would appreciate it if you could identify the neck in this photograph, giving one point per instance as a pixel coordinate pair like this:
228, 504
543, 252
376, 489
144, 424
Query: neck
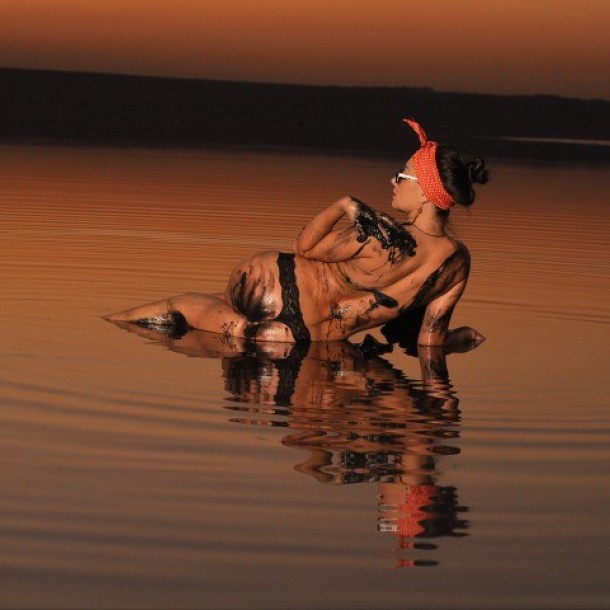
428, 221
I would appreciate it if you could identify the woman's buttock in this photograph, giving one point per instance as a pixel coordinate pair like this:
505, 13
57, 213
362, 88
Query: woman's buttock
254, 288
264, 288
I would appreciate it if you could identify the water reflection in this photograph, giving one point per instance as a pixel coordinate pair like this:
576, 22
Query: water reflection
355, 418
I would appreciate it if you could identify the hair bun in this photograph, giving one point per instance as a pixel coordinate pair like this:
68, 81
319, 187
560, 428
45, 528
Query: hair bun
477, 172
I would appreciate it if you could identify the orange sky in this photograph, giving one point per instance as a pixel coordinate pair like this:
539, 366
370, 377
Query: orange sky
519, 46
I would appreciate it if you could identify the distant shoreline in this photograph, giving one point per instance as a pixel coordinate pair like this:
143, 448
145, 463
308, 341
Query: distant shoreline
82, 108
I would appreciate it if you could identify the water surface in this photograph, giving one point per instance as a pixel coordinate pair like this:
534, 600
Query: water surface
144, 471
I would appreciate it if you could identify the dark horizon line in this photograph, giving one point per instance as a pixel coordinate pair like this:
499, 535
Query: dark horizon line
193, 79
105, 108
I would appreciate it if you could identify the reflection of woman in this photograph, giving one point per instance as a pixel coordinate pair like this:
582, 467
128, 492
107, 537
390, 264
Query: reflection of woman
340, 281
360, 420
357, 418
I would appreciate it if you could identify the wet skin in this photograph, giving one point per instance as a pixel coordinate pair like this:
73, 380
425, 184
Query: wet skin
363, 293
334, 300
355, 277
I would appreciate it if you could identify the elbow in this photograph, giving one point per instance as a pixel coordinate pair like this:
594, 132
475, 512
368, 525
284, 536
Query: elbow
297, 248
299, 251
309, 253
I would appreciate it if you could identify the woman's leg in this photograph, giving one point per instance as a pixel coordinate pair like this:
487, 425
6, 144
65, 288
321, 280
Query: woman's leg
209, 312
202, 311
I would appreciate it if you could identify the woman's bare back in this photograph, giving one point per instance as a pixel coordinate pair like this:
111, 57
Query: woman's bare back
342, 298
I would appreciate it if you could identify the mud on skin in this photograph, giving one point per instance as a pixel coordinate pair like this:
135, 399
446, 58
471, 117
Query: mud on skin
441, 280
411, 319
346, 321
387, 231
380, 297
173, 323
251, 297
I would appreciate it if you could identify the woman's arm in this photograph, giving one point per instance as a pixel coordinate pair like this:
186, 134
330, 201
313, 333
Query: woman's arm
321, 225
435, 326
320, 241
435, 331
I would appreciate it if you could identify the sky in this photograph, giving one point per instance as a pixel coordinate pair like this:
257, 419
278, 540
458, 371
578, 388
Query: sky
557, 47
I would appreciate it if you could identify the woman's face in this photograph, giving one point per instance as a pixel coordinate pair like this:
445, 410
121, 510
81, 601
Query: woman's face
407, 194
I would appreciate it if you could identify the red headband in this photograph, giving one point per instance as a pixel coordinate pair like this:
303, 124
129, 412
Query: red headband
426, 169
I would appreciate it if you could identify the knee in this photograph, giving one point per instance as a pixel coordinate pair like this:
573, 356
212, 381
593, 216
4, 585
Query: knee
268, 331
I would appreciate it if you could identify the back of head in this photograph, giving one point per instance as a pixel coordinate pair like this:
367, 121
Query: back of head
459, 173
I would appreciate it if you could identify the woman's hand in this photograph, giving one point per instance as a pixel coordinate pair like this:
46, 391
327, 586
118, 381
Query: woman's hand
462, 339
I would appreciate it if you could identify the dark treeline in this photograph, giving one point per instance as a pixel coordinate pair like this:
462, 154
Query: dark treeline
114, 109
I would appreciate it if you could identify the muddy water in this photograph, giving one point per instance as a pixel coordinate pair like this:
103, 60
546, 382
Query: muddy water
143, 471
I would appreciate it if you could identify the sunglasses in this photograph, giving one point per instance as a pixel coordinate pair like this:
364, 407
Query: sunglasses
399, 177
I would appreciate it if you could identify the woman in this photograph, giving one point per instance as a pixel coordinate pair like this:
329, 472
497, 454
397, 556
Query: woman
341, 281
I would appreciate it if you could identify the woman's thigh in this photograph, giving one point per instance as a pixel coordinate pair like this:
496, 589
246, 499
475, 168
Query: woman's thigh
214, 314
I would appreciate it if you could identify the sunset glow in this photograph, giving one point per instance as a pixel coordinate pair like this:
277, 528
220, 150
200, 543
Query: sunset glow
521, 46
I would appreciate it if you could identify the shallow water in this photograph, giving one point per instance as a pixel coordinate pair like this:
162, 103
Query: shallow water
141, 471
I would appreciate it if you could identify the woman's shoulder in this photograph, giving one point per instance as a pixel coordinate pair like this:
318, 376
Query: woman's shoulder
445, 264
454, 269
461, 252
454, 247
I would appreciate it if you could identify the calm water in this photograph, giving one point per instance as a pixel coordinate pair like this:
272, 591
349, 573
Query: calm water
139, 471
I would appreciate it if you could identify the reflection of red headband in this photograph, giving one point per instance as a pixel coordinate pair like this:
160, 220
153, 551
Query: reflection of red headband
416, 507
426, 169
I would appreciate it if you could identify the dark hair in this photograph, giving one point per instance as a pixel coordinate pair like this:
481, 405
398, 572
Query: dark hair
459, 173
